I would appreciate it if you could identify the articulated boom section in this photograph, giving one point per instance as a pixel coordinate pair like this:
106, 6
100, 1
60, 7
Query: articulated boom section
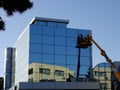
112, 65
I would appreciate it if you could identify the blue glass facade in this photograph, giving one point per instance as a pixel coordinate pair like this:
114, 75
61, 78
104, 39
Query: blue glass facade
49, 41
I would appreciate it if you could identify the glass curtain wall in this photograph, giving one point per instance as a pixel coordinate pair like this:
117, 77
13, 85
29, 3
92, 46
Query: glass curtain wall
53, 48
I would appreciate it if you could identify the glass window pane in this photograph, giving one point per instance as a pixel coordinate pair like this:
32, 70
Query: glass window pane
51, 24
40, 23
84, 32
48, 30
35, 47
72, 33
60, 31
85, 52
47, 58
71, 42
61, 24
48, 39
84, 60
73, 69
49, 49
35, 29
60, 50
84, 70
60, 41
35, 38
44, 71
35, 57
72, 60
60, 59
59, 73
72, 51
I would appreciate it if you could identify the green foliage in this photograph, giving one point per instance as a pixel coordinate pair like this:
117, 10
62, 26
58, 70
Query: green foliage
1, 83
12, 6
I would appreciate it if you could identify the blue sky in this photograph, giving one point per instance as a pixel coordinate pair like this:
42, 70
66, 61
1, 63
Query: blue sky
100, 16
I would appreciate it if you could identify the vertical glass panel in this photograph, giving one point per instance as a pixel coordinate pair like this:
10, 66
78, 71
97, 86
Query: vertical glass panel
40, 23
72, 33
48, 30
60, 59
71, 41
72, 51
51, 24
72, 60
84, 70
61, 24
35, 38
84, 60
35, 47
35, 57
60, 31
49, 49
48, 39
73, 69
35, 29
60, 50
84, 32
60, 40
49, 59
85, 52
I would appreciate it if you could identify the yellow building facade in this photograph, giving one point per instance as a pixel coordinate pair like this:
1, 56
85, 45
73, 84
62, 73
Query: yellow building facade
39, 72
102, 72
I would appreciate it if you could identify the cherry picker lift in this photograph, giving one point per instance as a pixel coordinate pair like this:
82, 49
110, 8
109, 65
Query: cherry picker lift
84, 42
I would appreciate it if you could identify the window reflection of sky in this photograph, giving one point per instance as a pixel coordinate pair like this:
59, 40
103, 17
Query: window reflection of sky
55, 44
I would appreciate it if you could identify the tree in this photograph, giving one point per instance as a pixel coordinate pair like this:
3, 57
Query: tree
12, 6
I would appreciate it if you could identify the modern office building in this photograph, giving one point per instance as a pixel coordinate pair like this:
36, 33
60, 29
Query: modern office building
48, 41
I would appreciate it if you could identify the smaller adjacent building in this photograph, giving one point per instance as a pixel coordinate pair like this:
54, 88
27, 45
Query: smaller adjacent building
102, 72
106, 77
40, 72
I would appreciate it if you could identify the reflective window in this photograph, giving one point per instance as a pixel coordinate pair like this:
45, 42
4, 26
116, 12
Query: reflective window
60, 40
72, 51
85, 52
72, 60
44, 71
60, 59
48, 39
60, 50
60, 31
84, 70
41, 23
35, 29
35, 38
35, 57
72, 33
84, 32
48, 49
71, 42
48, 58
61, 24
30, 71
84, 60
51, 24
59, 73
35, 47
48, 30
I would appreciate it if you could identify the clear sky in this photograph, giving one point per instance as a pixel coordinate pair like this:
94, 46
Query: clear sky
100, 16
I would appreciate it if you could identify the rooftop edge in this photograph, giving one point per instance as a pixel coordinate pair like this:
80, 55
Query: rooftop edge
49, 19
